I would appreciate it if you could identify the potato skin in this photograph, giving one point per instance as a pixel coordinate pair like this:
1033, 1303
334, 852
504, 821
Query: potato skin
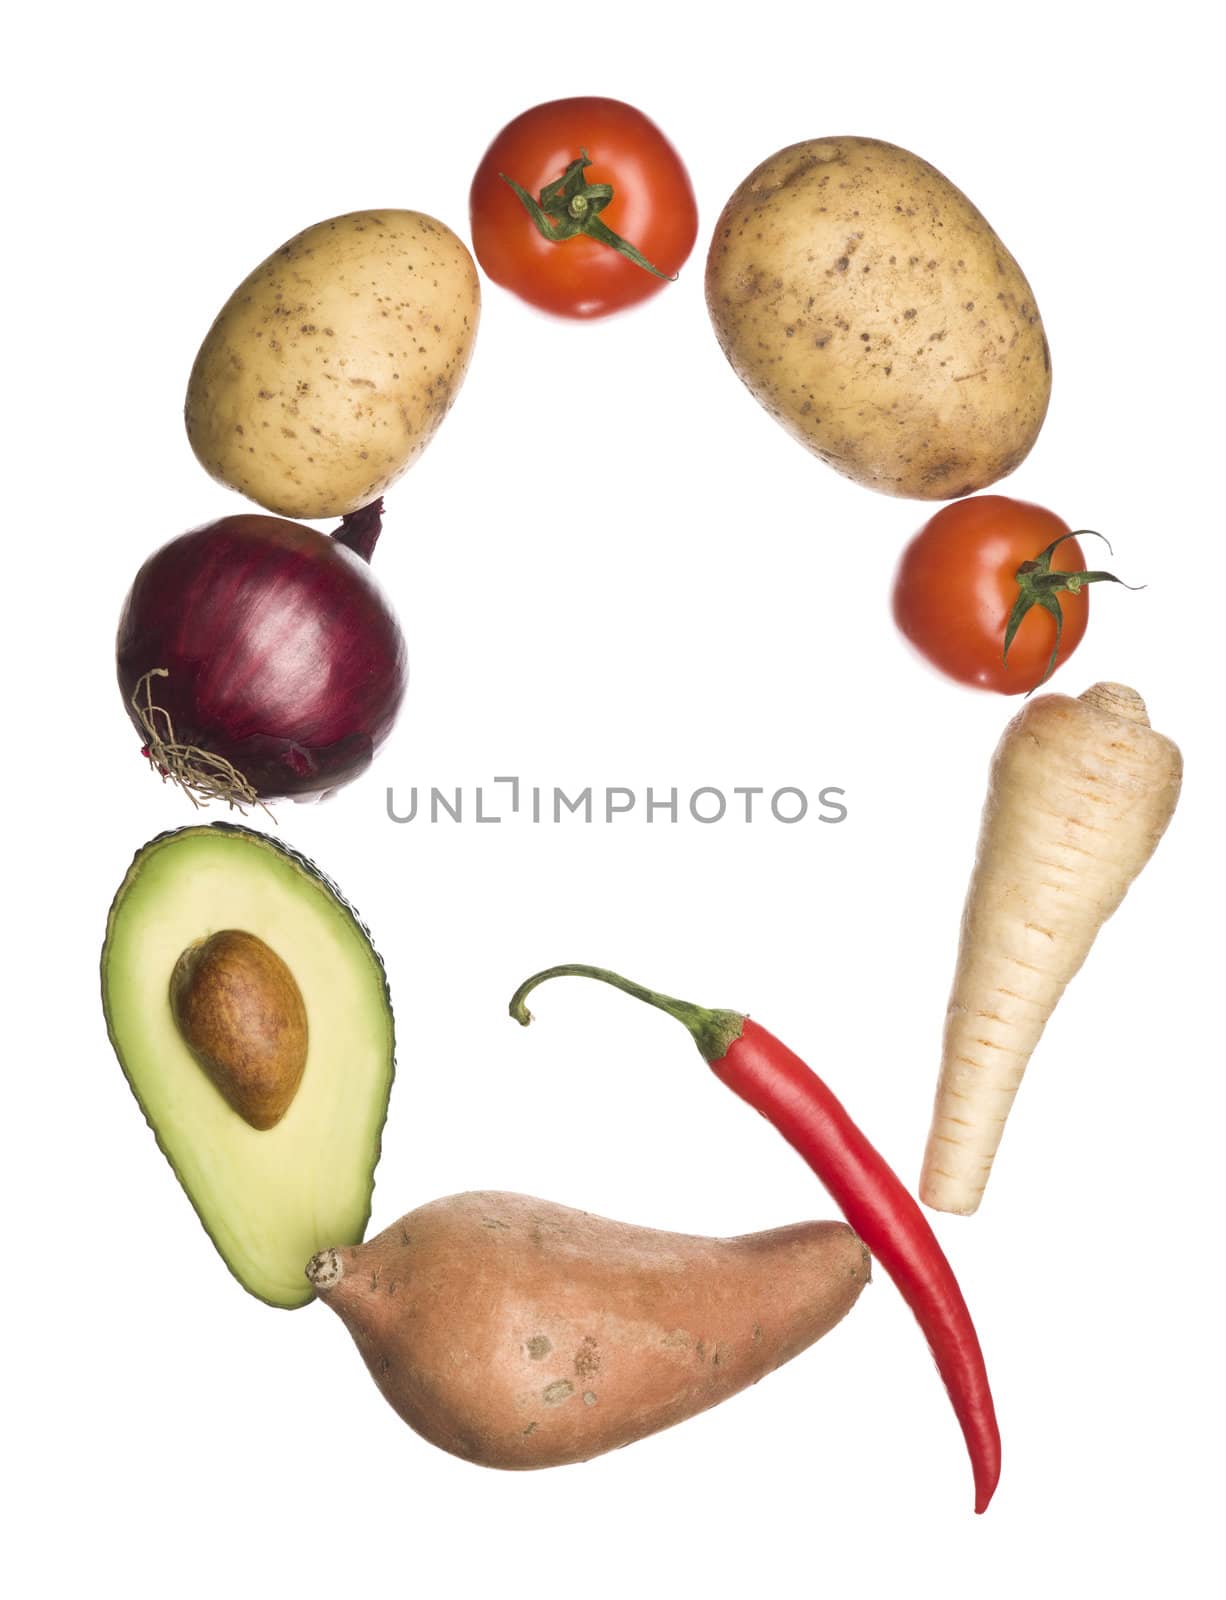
874, 313
326, 373
517, 1333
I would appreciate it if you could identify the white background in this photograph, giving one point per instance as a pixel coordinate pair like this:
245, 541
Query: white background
705, 603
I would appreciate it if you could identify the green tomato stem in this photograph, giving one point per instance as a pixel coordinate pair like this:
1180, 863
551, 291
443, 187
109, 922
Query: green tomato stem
570, 205
1038, 585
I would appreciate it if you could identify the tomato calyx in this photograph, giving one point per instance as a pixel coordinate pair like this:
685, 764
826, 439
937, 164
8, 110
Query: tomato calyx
570, 205
1038, 585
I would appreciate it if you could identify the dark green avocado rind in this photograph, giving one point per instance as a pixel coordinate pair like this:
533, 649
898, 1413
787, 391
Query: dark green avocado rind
306, 866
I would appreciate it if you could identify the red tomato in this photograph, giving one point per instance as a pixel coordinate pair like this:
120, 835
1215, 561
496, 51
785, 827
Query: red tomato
652, 207
957, 583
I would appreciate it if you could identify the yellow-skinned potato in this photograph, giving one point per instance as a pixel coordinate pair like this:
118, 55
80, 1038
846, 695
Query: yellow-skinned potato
872, 310
329, 368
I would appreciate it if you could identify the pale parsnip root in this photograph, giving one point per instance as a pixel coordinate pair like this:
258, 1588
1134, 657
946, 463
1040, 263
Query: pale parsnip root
1080, 792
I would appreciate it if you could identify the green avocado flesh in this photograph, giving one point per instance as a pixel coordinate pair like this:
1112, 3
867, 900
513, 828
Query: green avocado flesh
268, 1200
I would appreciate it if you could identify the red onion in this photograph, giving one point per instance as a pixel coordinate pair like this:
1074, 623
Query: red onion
259, 659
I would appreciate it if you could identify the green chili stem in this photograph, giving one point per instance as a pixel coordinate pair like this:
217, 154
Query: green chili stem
712, 1031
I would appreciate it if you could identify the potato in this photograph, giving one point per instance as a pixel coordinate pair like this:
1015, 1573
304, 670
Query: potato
329, 368
517, 1333
871, 309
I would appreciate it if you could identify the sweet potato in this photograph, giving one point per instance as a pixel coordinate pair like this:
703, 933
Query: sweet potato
517, 1333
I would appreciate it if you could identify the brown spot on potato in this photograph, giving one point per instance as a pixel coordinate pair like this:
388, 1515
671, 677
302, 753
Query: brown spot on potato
557, 1393
538, 1347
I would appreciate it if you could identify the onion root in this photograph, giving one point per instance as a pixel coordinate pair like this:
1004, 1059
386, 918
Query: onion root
200, 774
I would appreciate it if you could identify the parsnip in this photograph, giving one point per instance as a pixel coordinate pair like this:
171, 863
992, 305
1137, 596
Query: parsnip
1080, 792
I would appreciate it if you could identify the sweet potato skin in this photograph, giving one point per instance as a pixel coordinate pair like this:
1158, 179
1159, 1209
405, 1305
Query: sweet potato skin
517, 1333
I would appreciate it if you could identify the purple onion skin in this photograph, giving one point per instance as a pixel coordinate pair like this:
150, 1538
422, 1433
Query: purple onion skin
283, 655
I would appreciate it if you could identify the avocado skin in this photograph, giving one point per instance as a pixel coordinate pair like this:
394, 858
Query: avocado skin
305, 865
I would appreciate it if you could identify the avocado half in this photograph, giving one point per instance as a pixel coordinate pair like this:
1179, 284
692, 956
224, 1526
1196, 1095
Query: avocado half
270, 1199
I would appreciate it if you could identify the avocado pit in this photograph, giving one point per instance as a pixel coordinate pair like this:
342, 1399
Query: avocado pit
241, 1014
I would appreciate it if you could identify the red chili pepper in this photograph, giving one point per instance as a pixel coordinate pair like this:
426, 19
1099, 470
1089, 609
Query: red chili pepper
764, 1072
